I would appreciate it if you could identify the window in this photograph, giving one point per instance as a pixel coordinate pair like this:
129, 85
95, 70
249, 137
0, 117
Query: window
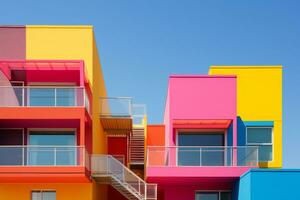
52, 148
43, 195
213, 196
261, 137
200, 149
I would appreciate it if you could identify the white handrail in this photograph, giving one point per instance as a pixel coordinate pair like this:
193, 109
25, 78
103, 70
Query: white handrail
114, 167
59, 96
160, 156
30, 155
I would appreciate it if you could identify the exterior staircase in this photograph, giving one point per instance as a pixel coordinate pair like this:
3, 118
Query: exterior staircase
136, 148
108, 170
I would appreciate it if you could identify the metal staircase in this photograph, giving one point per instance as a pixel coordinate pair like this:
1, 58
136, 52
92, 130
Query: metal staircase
136, 148
108, 170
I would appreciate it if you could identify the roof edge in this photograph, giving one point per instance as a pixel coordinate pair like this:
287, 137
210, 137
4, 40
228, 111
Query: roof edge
245, 67
202, 76
61, 26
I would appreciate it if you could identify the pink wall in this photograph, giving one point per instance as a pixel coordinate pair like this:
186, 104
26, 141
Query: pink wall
200, 97
13, 42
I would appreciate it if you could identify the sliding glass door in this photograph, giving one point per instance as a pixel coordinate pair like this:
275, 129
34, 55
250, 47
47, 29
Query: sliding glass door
52, 148
200, 149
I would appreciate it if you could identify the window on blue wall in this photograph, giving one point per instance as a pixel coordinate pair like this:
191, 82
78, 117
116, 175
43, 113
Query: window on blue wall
261, 137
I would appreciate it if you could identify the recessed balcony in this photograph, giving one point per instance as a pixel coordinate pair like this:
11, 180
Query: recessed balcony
33, 155
199, 162
34, 163
43, 96
199, 156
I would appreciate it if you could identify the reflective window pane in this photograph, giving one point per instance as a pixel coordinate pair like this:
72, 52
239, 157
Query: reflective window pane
65, 97
200, 139
52, 148
265, 153
207, 196
43, 195
200, 156
259, 135
42, 96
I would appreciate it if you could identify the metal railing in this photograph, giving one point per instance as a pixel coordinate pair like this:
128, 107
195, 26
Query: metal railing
43, 96
138, 114
115, 106
109, 166
43, 156
160, 156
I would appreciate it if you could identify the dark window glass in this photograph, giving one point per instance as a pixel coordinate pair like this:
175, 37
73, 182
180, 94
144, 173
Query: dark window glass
201, 149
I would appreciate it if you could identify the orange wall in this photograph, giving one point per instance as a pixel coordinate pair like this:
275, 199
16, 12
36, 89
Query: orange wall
72, 191
155, 135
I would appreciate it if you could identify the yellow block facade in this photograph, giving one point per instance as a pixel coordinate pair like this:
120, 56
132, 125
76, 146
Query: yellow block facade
73, 43
259, 98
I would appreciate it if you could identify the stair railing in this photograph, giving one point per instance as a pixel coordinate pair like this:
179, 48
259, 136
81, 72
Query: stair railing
110, 166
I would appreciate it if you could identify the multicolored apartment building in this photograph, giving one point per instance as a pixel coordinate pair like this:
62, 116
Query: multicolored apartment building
63, 138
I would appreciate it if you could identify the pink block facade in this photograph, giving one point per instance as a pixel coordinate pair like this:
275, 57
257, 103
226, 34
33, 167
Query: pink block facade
205, 100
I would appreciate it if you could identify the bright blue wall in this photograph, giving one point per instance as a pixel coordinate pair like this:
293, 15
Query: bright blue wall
268, 184
241, 132
230, 135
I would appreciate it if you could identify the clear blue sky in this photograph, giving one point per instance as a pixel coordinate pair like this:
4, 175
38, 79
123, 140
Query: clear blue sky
141, 42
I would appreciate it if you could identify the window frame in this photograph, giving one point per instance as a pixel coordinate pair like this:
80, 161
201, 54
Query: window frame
213, 191
42, 191
199, 130
262, 144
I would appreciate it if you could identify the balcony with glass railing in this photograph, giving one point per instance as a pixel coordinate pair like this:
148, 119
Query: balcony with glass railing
35, 163
116, 115
199, 156
202, 162
43, 156
43, 96
139, 115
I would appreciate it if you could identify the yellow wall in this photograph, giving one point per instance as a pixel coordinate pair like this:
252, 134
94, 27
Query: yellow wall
64, 191
259, 98
72, 43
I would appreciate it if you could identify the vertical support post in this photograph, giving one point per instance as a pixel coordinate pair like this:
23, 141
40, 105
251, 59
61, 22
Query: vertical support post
54, 156
28, 95
55, 97
23, 156
200, 150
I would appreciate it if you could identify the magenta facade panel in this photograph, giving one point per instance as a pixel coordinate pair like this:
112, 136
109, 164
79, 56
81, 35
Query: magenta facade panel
200, 97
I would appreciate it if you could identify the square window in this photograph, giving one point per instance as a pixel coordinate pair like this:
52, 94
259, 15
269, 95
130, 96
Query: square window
261, 137
43, 195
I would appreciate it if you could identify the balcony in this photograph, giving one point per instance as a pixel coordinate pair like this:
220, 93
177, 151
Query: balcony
208, 161
51, 163
42, 156
40, 96
116, 115
202, 156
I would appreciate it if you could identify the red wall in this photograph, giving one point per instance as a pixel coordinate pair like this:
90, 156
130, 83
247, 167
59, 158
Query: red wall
118, 146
